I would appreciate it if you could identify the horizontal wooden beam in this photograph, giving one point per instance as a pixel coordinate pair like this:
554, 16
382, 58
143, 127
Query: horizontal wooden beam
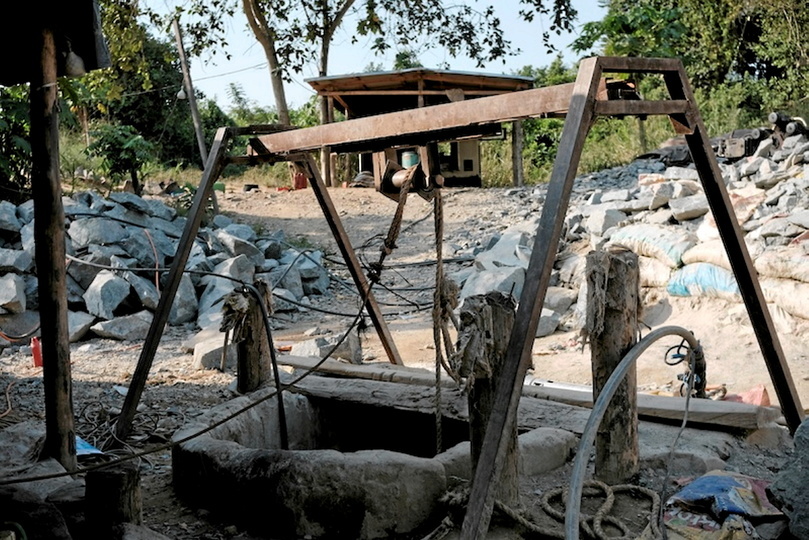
552, 100
626, 64
387, 92
707, 412
634, 107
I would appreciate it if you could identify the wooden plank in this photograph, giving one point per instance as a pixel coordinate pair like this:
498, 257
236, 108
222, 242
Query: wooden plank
353, 263
643, 107
723, 415
394, 92
213, 168
634, 64
49, 235
515, 105
743, 269
518, 356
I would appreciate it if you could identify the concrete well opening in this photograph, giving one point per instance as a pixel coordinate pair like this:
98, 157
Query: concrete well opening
353, 470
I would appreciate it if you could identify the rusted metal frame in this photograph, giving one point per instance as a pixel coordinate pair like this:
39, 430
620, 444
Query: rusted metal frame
733, 239
423, 121
308, 164
650, 108
518, 354
213, 168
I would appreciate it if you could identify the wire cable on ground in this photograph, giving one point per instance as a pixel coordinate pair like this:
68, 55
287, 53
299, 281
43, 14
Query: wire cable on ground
573, 503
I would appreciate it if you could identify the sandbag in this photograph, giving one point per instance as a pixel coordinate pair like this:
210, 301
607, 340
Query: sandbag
704, 279
790, 295
653, 273
663, 243
714, 252
790, 262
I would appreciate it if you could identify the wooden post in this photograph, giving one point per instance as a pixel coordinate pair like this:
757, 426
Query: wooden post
518, 354
613, 309
517, 135
486, 322
213, 168
113, 497
49, 235
252, 344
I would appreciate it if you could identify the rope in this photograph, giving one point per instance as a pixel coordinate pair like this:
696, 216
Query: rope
438, 212
593, 525
375, 269
8, 400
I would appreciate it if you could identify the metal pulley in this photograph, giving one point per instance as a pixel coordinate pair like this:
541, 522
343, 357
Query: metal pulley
424, 176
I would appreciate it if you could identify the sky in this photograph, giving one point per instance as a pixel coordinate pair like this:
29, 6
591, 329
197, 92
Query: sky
248, 67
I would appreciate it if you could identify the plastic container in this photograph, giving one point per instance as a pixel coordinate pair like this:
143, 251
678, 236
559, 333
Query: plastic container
409, 159
36, 351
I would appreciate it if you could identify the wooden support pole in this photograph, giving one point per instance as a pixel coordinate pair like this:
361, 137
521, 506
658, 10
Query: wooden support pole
252, 343
732, 237
49, 235
216, 162
613, 311
518, 353
517, 136
486, 323
354, 267
113, 497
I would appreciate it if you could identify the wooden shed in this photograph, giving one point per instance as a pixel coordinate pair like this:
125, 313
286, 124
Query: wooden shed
366, 94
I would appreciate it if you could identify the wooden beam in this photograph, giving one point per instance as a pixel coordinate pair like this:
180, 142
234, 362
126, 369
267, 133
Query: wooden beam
740, 262
529, 103
724, 415
213, 168
49, 236
634, 64
643, 107
353, 263
518, 355
385, 92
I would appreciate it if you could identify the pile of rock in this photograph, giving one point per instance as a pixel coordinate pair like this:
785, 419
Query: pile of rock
116, 247
663, 215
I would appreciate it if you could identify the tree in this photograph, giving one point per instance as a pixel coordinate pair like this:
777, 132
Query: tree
15, 149
123, 151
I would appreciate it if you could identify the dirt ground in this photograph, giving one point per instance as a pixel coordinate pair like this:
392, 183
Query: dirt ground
176, 392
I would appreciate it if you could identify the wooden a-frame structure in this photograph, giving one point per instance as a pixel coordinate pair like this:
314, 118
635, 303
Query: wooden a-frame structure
581, 102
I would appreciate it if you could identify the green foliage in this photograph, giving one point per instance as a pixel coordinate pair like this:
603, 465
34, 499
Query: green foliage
123, 151
637, 30
15, 149
406, 59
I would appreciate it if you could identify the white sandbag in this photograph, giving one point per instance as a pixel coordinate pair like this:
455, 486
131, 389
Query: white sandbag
663, 243
708, 252
704, 279
790, 262
653, 273
790, 295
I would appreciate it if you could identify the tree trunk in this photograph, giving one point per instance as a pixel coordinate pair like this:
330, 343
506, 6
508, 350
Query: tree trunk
613, 309
266, 36
486, 323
